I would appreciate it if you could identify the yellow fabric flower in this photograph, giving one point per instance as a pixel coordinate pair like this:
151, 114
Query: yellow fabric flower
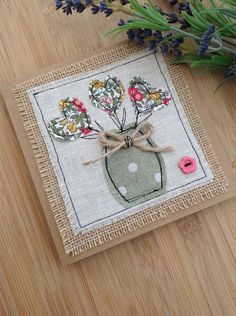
63, 122
97, 84
72, 127
122, 97
63, 104
154, 95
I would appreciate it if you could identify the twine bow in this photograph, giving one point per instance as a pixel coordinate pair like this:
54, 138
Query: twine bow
115, 141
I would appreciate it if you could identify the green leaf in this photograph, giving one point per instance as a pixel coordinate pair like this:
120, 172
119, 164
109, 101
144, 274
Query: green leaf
187, 58
199, 25
216, 61
205, 63
148, 12
229, 2
229, 12
197, 16
139, 24
222, 60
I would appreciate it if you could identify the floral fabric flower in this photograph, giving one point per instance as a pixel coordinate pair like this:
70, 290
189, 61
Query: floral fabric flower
145, 98
107, 95
74, 123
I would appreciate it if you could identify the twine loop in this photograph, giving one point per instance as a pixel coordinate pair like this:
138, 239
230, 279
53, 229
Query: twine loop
128, 141
114, 141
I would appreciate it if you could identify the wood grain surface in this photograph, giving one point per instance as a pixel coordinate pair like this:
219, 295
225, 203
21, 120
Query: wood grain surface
184, 268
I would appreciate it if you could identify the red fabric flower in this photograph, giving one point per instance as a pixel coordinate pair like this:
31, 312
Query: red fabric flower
166, 101
138, 96
132, 91
79, 105
85, 131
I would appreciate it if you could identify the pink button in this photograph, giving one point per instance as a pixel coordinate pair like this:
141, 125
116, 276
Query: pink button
188, 164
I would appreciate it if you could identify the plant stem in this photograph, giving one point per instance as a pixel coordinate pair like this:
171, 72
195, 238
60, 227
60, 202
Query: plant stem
124, 10
176, 29
223, 48
229, 50
171, 27
228, 42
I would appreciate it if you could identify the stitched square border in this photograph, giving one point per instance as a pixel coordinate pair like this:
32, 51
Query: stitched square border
77, 244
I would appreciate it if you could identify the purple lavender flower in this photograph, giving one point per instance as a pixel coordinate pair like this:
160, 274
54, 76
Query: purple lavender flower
159, 37
173, 2
172, 17
124, 2
121, 22
164, 48
147, 32
130, 34
151, 45
108, 12
204, 43
102, 6
183, 24
58, 4
177, 52
176, 42
94, 9
184, 6
230, 71
79, 7
138, 39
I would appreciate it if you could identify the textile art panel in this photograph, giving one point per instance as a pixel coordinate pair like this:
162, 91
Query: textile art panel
119, 140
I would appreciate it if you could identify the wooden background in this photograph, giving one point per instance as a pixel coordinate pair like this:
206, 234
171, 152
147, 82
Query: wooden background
184, 268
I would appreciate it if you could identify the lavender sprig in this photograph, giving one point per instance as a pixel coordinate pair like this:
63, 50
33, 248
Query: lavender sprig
209, 28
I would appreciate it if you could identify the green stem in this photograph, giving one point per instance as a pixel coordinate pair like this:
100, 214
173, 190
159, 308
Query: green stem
123, 9
228, 42
176, 29
223, 48
228, 50
171, 27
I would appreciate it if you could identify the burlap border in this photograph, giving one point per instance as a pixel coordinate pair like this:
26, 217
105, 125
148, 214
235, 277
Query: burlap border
75, 245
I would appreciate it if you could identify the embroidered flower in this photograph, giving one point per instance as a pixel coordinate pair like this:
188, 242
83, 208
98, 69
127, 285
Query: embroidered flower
166, 101
108, 100
102, 99
132, 91
188, 164
122, 86
109, 111
63, 122
63, 103
79, 105
72, 127
85, 131
97, 84
154, 95
138, 96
